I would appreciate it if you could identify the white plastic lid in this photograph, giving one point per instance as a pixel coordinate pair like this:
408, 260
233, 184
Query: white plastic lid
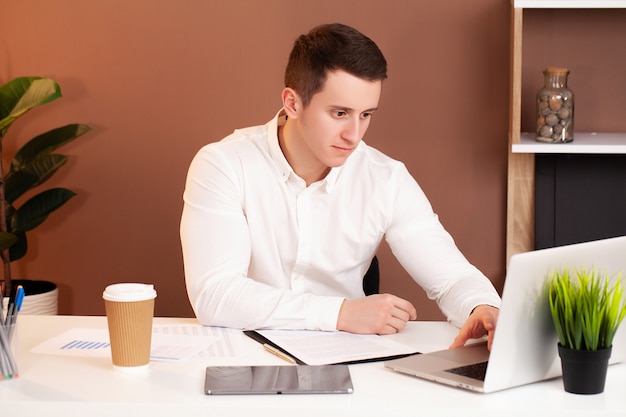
129, 292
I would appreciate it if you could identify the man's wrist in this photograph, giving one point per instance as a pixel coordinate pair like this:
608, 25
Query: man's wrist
482, 305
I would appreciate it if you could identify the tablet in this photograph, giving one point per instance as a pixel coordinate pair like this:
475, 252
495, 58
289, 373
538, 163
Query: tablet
300, 379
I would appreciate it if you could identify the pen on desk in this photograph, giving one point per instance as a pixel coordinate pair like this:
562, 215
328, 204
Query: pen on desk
278, 353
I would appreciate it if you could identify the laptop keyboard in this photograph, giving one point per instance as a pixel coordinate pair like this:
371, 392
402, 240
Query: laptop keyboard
475, 370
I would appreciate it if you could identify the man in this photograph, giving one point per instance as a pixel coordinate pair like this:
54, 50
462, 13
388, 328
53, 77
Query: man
281, 221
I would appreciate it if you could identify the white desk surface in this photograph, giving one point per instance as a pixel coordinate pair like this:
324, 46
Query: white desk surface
52, 385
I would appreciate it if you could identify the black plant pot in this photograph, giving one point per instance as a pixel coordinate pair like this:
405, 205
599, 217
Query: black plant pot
584, 371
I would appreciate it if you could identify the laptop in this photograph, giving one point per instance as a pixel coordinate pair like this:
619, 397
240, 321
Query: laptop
524, 348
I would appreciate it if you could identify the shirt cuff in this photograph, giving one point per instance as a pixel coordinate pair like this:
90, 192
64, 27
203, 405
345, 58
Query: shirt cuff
327, 311
471, 303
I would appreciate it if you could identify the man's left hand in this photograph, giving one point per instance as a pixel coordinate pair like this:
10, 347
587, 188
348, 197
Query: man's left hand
482, 321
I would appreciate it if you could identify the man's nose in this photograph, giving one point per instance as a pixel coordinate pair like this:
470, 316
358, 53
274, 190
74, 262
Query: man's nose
354, 130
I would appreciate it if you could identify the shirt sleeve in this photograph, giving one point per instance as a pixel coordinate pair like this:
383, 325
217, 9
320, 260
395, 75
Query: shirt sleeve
216, 253
428, 253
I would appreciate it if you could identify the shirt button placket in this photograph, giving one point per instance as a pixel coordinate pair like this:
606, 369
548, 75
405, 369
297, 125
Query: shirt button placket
303, 256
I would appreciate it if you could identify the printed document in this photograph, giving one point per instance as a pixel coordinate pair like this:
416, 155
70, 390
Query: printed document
170, 343
325, 348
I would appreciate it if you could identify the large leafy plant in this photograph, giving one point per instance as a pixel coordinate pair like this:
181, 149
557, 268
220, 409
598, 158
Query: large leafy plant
587, 308
30, 167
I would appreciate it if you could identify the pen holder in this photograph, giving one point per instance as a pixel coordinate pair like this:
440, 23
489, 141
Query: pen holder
8, 352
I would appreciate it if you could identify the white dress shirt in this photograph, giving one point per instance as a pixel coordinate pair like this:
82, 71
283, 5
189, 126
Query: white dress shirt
263, 250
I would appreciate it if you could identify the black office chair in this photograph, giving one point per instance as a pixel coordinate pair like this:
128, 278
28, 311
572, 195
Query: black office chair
371, 279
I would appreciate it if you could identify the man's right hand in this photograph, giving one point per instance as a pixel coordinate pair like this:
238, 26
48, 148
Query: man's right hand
375, 314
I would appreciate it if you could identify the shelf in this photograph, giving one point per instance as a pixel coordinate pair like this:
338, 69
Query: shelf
597, 143
523, 147
569, 4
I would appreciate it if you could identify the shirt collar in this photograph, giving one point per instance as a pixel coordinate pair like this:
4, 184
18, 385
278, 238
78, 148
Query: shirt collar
283, 167
331, 178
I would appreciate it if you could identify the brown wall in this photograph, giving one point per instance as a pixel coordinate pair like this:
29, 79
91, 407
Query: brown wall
594, 50
158, 79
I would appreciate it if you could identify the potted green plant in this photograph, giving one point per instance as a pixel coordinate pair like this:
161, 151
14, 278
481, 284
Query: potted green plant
587, 308
31, 165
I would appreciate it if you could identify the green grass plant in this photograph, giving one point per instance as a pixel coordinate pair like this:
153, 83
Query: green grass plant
587, 307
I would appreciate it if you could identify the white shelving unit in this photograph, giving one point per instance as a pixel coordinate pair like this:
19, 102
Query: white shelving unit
523, 147
598, 143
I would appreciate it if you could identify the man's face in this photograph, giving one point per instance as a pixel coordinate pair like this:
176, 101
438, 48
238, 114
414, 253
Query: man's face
337, 117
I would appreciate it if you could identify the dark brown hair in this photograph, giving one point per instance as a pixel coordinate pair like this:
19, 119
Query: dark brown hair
332, 47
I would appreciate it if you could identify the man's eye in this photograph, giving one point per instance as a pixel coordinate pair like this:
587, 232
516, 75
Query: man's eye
340, 113
366, 115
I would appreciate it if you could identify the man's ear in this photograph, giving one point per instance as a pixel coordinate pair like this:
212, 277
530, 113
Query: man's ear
291, 103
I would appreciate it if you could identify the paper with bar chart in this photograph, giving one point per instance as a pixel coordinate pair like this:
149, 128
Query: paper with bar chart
169, 343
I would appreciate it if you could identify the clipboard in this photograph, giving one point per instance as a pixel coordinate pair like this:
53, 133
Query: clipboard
253, 334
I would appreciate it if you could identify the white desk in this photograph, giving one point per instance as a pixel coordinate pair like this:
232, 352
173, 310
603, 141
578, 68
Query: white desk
52, 385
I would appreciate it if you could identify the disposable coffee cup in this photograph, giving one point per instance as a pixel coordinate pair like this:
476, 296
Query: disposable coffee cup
129, 310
